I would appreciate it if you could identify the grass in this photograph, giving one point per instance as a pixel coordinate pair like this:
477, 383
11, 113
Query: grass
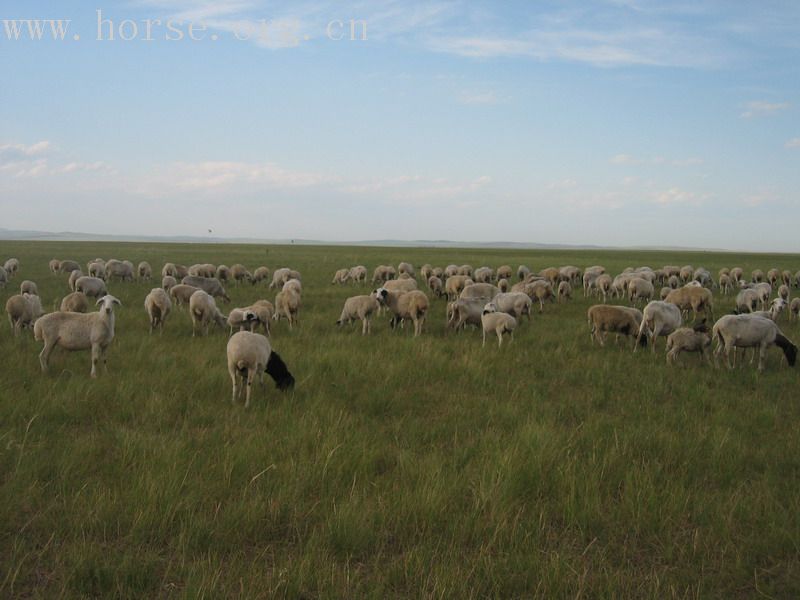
398, 467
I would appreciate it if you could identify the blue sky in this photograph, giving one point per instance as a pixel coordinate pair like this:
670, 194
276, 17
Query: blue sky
621, 122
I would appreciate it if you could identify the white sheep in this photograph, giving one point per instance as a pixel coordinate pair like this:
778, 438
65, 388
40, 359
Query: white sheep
144, 270
97, 269
168, 282
640, 289
359, 307
73, 278
204, 311
436, 286
564, 291
794, 309
181, 293
463, 312
411, 306
516, 304
264, 310
689, 339
23, 310
658, 318
783, 292
77, 331
340, 277
287, 306
55, 266
497, 322
240, 273
28, 287
751, 331
11, 266
746, 301
249, 356
91, 286
358, 274
75, 302
260, 274
158, 306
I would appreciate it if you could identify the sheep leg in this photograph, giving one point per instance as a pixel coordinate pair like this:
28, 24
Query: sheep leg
250, 377
95, 359
499, 337
234, 381
762, 351
44, 355
484, 339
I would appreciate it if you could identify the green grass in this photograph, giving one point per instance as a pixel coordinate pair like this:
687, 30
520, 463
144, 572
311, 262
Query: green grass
398, 467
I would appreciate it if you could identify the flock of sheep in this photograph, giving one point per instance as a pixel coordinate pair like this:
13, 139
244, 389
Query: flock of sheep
492, 300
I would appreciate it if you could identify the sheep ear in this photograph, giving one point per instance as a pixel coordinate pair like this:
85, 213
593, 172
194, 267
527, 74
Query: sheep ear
117, 302
99, 300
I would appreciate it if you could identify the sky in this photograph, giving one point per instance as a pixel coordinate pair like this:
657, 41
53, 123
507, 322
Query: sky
614, 122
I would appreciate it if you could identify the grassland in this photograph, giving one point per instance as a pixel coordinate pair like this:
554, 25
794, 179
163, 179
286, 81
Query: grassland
398, 467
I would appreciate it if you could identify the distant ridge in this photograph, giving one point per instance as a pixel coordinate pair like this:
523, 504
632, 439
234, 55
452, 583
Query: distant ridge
72, 236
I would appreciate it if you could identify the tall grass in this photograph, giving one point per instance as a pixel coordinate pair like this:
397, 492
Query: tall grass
398, 467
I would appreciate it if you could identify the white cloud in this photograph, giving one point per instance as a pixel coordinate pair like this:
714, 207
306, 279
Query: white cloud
678, 196
488, 97
630, 160
793, 143
759, 108
9, 152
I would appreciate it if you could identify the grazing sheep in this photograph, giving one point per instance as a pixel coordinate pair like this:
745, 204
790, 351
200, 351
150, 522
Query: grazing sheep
358, 274
503, 285
55, 266
281, 276
169, 270
145, 271
757, 276
68, 266
640, 289
483, 275
97, 269
168, 282
686, 273
736, 274
425, 271
504, 272
773, 277
786, 278
689, 339
725, 283
76, 331
776, 308
287, 305
260, 274
564, 291
210, 285
122, 270
23, 310
28, 287
202, 270
590, 282
359, 307
665, 291
603, 285
401, 285
551, 274
438, 272
91, 286
404, 276
249, 356
383, 273
746, 301
659, 318
764, 291
607, 318
241, 319
293, 284
158, 306
455, 284
570, 274
73, 277
436, 286
783, 292
340, 277
240, 274
463, 312
223, 273
751, 331
515, 304
694, 298
406, 268
204, 311
466, 270
181, 293
265, 311
11, 266
794, 309
539, 291
75, 302
497, 322
411, 306
450, 271
479, 290
523, 272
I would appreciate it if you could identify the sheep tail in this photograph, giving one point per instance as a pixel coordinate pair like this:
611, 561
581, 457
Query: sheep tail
280, 374
789, 349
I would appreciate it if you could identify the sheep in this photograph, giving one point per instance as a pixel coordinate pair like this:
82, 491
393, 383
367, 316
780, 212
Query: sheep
640, 289
122, 270
689, 339
287, 305
68, 266
240, 274
425, 271
96, 269
203, 311
145, 271
686, 273
73, 277
465, 311
603, 285
281, 276
23, 310
75, 302
28, 287
436, 286
539, 291
775, 309
523, 272
438, 272
665, 291
223, 273
479, 290
340, 277
725, 283
249, 356
773, 277
550, 274
786, 278
764, 291
450, 271
91, 286
180, 271
658, 318
783, 292
483, 275
11, 266
498, 322
358, 274
693, 297
605, 318
158, 306
570, 274
411, 305
404, 276
673, 282
504, 272
737, 273
383, 273
406, 268
794, 309
202, 270
455, 284
55, 266
168, 282
359, 307
564, 291
515, 304
466, 270
264, 310
746, 300
181, 293
210, 285
260, 274
757, 276
76, 331
169, 270
401, 285
293, 284
503, 285
241, 319
750, 331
